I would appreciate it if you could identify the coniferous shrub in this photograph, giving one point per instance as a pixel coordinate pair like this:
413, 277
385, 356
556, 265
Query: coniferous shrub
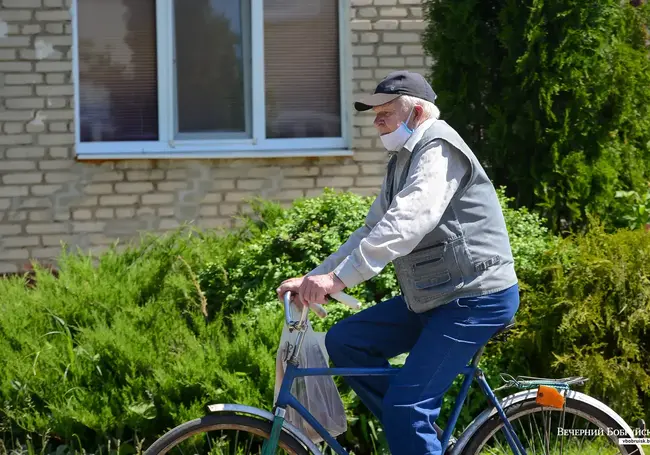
553, 95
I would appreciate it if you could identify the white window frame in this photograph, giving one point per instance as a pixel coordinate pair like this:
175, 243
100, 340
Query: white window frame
256, 147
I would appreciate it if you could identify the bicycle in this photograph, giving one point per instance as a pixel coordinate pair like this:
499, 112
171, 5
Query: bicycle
548, 397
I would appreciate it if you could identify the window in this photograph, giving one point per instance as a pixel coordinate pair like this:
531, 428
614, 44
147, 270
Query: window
208, 77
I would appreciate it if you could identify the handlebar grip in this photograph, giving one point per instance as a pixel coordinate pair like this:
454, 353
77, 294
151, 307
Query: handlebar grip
346, 300
318, 309
315, 307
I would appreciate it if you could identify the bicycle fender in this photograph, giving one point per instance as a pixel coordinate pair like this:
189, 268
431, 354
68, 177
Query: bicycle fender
526, 395
257, 412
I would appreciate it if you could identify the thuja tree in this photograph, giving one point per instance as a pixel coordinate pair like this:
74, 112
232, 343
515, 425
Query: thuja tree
554, 96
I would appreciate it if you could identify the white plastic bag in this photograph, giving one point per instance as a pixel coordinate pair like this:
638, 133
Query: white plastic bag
318, 394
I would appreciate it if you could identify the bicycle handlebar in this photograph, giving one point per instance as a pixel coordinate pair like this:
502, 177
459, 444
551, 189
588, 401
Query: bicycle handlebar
346, 300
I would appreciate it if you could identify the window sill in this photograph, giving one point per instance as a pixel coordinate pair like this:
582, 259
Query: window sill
195, 155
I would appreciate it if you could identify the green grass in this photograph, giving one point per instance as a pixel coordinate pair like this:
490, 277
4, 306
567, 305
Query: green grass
600, 446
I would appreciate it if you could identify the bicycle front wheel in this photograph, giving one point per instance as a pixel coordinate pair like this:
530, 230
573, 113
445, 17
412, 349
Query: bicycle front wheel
578, 428
223, 434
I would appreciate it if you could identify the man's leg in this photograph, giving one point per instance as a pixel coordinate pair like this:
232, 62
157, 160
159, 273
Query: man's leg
367, 339
451, 335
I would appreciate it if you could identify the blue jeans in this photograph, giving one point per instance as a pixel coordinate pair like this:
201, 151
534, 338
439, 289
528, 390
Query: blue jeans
440, 343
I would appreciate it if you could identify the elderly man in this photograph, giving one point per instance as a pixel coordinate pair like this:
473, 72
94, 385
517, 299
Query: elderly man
438, 220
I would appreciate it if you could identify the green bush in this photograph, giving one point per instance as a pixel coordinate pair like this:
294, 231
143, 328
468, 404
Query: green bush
635, 212
120, 350
553, 95
529, 238
588, 314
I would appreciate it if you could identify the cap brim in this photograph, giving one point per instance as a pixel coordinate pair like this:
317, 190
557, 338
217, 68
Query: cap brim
377, 99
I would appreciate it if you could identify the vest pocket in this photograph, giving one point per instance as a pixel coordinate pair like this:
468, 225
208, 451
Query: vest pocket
424, 259
432, 271
433, 286
427, 262
432, 282
435, 272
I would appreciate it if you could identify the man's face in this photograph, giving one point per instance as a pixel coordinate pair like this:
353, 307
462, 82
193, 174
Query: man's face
389, 116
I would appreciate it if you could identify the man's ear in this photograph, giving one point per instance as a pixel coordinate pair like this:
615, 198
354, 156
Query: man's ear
416, 117
419, 111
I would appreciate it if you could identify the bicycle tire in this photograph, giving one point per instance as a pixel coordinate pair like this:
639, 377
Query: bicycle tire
529, 406
213, 422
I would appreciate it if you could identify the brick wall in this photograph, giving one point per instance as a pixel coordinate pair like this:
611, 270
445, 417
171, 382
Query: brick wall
47, 197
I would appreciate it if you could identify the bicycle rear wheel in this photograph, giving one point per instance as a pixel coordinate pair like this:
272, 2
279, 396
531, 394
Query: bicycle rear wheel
223, 434
579, 428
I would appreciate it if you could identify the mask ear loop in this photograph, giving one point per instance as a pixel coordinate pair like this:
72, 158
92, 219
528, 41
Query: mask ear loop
408, 120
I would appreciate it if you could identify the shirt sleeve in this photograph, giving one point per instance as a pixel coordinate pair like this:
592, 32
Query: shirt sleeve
434, 178
372, 218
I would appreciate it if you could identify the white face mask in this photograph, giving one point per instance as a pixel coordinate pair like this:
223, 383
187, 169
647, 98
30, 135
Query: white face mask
395, 141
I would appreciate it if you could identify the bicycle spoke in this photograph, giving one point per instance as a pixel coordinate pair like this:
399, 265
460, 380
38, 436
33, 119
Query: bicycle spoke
538, 432
527, 438
207, 436
556, 441
235, 446
584, 436
546, 434
574, 420
561, 425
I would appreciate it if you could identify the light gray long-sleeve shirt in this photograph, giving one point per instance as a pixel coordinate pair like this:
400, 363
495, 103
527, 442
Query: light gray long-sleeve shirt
415, 211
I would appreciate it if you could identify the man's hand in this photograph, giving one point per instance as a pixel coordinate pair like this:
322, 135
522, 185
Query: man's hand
314, 289
292, 284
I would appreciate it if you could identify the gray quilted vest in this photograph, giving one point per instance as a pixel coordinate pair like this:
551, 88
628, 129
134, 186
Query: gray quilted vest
468, 254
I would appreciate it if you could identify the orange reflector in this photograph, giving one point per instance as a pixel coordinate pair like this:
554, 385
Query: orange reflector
549, 396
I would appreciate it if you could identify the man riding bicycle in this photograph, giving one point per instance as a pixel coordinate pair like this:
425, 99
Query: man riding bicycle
437, 218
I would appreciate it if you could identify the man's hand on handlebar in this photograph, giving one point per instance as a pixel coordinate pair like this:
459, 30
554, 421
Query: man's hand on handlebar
311, 289
316, 288
292, 285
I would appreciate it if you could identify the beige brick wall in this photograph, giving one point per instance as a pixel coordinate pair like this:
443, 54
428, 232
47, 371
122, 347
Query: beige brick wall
48, 197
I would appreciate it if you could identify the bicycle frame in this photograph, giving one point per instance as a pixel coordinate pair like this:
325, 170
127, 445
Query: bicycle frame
286, 398
472, 371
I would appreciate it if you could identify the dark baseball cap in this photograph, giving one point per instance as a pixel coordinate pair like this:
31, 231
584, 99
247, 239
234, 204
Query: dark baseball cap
396, 84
